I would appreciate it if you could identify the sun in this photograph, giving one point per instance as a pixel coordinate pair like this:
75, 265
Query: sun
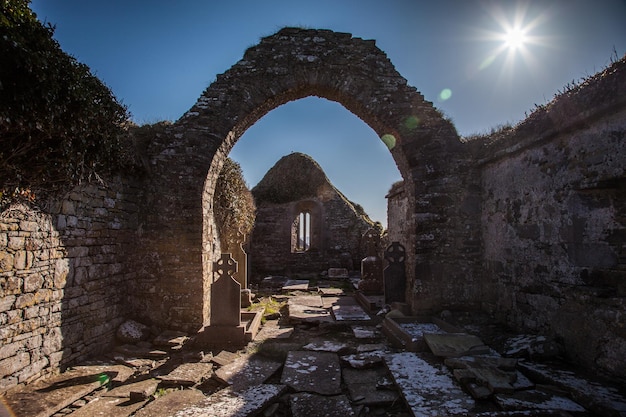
515, 38
515, 33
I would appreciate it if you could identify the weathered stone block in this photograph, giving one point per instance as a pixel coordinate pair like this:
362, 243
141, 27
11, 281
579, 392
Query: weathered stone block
132, 332
16, 242
6, 261
13, 364
33, 282
25, 300
9, 350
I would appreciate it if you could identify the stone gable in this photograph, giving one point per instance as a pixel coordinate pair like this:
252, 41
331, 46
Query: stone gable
297, 184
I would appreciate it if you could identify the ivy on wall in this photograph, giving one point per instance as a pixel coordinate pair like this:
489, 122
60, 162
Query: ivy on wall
234, 207
59, 124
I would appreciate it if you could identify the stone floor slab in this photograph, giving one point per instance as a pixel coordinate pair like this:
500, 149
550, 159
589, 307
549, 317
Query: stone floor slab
370, 347
108, 407
117, 402
326, 346
349, 313
296, 285
247, 371
310, 405
317, 372
331, 291
365, 332
44, 398
363, 386
427, 390
125, 391
273, 330
330, 301
140, 352
224, 358
306, 314
455, 344
306, 300
599, 398
229, 403
171, 403
188, 374
365, 359
537, 400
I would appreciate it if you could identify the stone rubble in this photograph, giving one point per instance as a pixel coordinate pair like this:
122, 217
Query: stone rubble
296, 368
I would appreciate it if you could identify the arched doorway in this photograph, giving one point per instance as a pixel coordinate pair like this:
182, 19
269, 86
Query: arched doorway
290, 65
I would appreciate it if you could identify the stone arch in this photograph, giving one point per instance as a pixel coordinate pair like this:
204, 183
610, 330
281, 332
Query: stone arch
289, 65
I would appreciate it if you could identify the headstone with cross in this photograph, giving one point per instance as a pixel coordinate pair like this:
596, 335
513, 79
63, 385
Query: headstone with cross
241, 257
225, 293
395, 273
241, 275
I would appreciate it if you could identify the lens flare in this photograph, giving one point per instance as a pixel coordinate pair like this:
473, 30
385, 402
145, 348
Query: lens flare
411, 122
389, 140
5, 411
103, 379
445, 94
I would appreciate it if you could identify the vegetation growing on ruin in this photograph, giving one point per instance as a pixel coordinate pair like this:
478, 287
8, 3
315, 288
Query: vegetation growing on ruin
234, 206
59, 124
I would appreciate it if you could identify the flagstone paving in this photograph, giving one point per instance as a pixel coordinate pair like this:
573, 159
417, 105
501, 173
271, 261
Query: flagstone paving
310, 363
318, 372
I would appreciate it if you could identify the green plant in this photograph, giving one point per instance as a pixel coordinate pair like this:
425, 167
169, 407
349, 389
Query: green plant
233, 204
59, 124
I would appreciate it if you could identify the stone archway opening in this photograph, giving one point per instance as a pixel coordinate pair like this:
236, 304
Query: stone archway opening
290, 65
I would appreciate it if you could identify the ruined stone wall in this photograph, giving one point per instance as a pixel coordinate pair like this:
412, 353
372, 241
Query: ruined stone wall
339, 244
554, 227
63, 279
397, 212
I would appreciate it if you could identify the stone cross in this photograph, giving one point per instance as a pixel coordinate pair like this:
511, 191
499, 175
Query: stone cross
395, 273
241, 257
225, 293
226, 265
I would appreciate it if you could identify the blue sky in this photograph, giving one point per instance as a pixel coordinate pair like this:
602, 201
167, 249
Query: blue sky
158, 56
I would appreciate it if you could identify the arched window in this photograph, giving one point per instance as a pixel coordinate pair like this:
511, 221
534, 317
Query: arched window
303, 231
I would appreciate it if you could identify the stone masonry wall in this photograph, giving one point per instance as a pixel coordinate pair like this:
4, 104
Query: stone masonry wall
62, 279
397, 212
554, 228
336, 227
292, 64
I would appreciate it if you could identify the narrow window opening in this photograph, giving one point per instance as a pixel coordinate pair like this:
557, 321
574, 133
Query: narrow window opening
303, 243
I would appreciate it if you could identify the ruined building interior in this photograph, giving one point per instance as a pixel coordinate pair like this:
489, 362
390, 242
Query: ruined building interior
525, 229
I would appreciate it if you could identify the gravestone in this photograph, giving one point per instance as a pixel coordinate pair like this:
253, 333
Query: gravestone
241, 257
225, 293
395, 273
228, 325
371, 265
